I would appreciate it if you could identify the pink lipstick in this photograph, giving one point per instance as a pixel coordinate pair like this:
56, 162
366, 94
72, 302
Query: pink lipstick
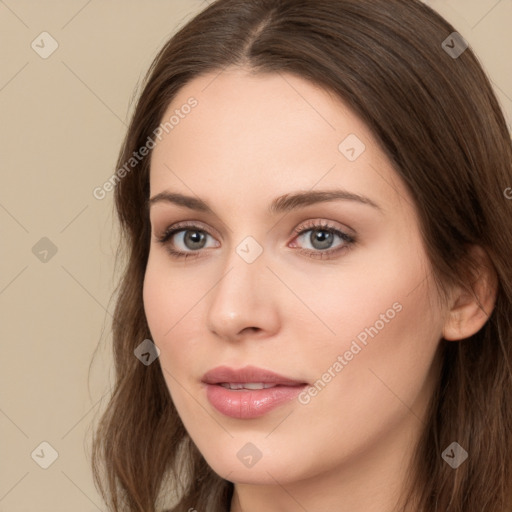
248, 392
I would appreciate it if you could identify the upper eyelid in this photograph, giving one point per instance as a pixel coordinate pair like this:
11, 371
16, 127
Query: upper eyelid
304, 227
307, 225
184, 225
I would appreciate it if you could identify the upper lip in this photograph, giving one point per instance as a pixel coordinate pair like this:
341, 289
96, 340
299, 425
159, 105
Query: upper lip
225, 374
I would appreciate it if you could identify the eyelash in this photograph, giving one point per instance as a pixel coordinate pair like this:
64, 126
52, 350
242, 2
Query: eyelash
309, 226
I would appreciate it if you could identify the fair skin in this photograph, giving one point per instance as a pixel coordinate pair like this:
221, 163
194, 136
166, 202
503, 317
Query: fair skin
249, 140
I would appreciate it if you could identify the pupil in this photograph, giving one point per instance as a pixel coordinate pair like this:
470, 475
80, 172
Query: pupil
323, 237
195, 237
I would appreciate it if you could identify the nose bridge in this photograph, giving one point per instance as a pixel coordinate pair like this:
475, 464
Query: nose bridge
242, 297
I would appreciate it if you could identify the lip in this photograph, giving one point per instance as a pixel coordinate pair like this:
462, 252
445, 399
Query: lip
247, 404
249, 373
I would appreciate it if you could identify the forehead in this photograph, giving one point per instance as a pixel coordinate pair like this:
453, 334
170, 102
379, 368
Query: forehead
262, 134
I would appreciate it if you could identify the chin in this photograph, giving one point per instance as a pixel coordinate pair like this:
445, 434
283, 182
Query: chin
241, 470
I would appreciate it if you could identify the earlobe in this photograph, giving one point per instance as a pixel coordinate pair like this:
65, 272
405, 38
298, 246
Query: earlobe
470, 308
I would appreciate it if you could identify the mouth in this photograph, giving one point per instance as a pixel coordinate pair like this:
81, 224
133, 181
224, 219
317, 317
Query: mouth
249, 392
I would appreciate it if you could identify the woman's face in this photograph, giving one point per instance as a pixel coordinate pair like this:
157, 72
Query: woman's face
350, 310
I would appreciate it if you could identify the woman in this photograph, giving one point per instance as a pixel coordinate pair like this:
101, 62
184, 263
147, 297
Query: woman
315, 312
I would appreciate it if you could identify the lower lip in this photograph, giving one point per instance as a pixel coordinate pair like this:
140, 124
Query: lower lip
249, 403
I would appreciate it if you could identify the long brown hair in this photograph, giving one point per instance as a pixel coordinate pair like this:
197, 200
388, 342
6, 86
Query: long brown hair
437, 119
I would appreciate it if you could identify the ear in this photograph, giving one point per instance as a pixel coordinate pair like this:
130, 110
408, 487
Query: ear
471, 307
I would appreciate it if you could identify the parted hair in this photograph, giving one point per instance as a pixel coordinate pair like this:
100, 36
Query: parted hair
436, 117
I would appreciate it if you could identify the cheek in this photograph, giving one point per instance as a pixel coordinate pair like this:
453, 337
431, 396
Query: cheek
163, 299
375, 331
157, 298
379, 362
368, 296
172, 308
166, 295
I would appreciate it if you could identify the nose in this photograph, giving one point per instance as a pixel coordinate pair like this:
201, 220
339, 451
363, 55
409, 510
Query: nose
244, 300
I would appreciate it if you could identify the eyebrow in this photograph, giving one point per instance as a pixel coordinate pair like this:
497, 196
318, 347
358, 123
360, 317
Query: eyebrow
281, 204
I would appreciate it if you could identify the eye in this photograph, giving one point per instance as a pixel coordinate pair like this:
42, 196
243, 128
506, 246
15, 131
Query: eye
191, 240
321, 239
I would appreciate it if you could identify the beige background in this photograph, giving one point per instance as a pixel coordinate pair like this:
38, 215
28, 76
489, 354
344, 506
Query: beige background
63, 119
